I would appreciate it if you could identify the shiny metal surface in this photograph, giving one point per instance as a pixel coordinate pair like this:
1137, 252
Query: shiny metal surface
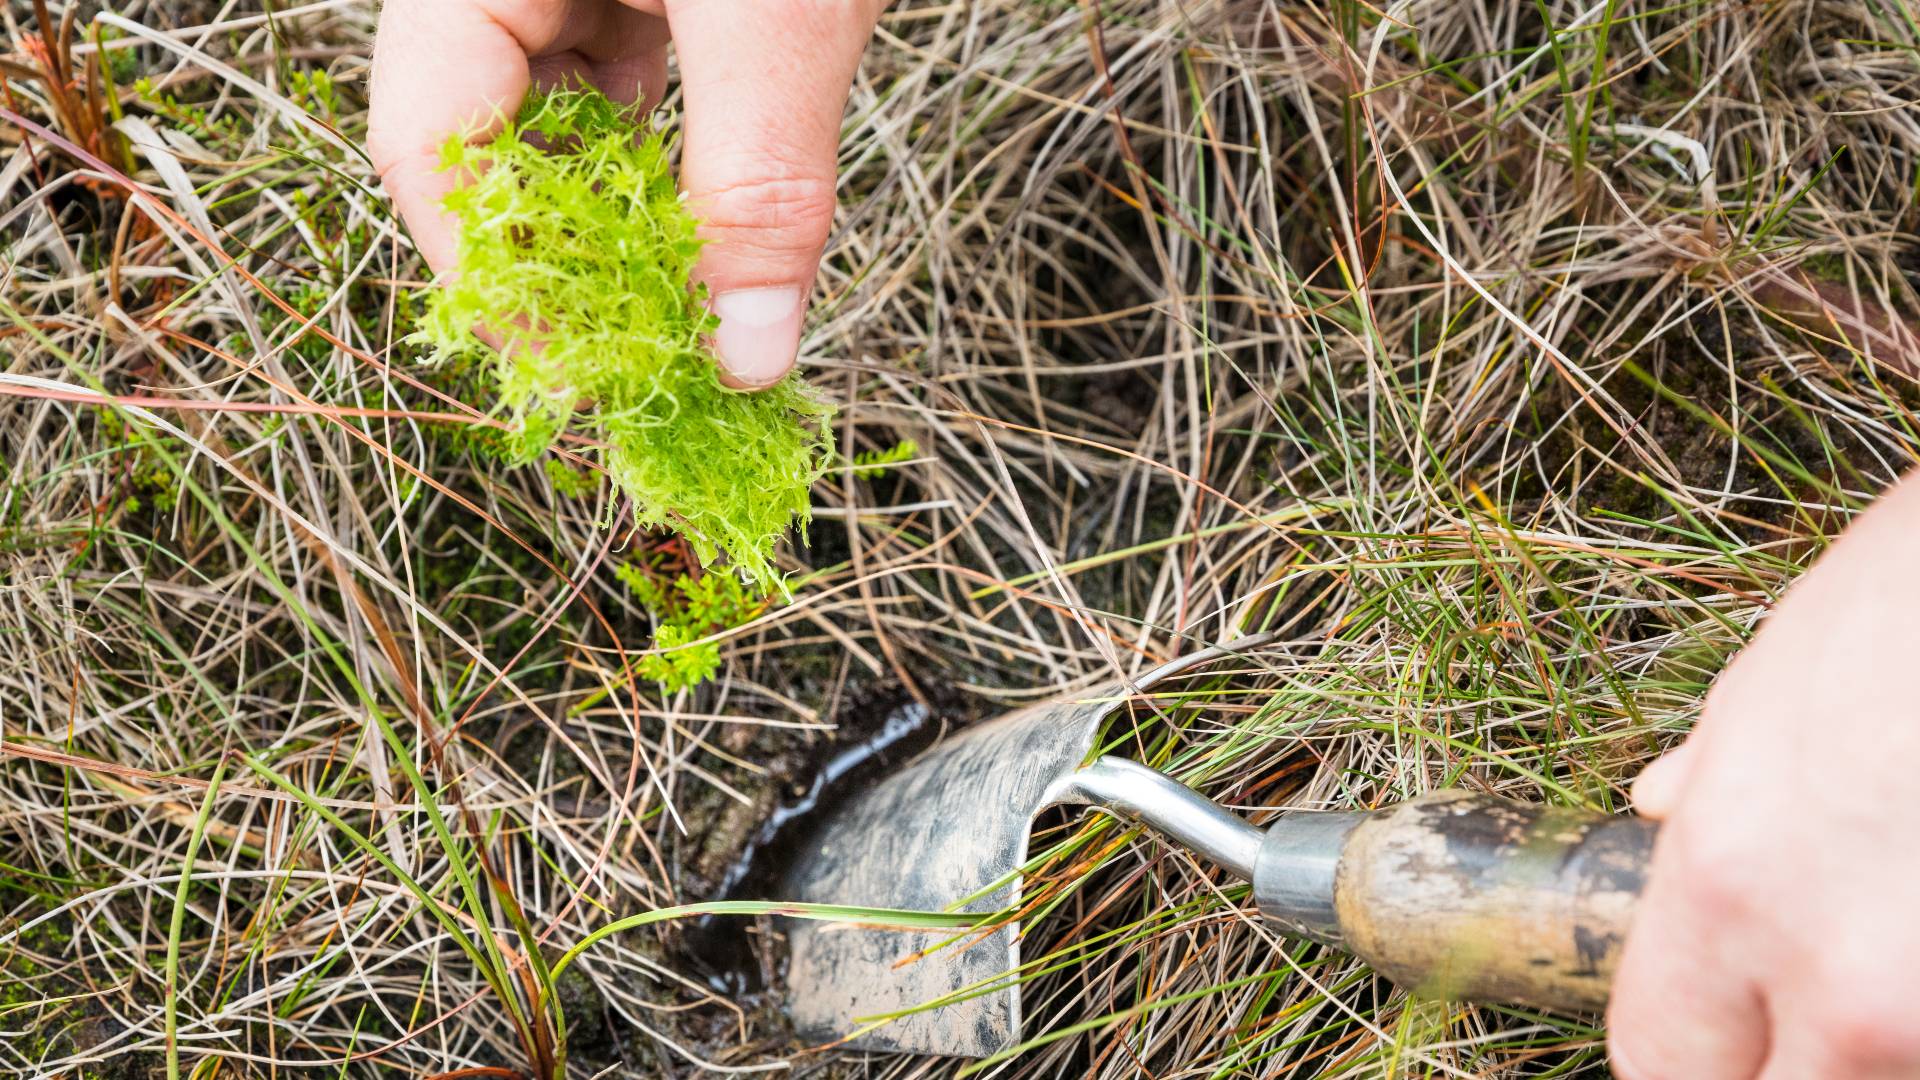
1293, 876
951, 825
1132, 791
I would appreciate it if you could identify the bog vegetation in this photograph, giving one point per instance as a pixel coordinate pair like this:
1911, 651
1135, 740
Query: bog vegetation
1505, 360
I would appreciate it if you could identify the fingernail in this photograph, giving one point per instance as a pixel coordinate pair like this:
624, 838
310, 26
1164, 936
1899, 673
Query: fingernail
759, 333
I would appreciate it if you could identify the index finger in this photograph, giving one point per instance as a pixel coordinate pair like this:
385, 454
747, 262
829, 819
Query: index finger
447, 67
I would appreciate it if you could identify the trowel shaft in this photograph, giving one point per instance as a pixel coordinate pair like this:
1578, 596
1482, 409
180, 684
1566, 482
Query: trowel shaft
1463, 896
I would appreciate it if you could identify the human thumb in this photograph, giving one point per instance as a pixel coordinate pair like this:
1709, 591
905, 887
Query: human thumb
1657, 790
765, 83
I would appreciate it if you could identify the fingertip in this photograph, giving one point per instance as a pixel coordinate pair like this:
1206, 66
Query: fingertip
415, 186
759, 334
1656, 791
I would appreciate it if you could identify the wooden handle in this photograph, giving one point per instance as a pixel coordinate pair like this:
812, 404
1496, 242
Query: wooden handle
1474, 898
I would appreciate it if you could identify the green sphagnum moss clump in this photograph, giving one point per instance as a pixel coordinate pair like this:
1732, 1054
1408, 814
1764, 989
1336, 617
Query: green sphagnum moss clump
575, 249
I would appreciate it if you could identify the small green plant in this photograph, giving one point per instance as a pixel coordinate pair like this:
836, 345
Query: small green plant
685, 610
575, 251
566, 480
873, 464
145, 480
122, 65
313, 89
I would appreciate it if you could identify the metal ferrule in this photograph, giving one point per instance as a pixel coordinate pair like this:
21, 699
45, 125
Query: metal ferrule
1293, 874
1291, 865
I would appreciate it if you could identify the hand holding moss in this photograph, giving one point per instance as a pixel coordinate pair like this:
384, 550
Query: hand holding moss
514, 138
764, 85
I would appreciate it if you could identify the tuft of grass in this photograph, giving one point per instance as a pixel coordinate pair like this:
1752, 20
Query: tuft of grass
575, 253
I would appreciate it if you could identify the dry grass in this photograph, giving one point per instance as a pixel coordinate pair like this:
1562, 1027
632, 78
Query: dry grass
1506, 370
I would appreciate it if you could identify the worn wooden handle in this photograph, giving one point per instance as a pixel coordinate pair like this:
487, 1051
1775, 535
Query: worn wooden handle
1475, 898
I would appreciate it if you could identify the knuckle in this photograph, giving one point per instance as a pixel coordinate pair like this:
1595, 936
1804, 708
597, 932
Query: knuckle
1635, 1049
786, 213
383, 149
1868, 1024
388, 147
398, 169
1719, 871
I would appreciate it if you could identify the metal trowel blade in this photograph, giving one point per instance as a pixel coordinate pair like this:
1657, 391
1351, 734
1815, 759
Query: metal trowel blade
947, 826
